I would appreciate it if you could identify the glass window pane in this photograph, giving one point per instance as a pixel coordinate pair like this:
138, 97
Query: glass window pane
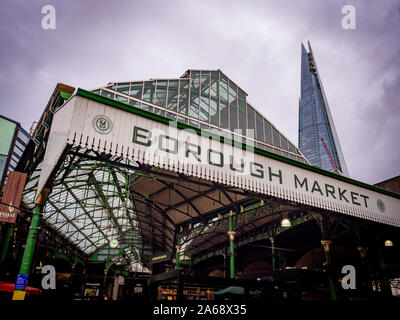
232, 89
135, 103
267, 132
275, 138
136, 90
250, 122
223, 102
214, 105
193, 123
121, 98
260, 145
291, 147
233, 114
205, 95
194, 95
183, 96
148, 91
242, 115
300, 159
123, 88
269, 149
159, 111
161, 93
171, 115
107, 94
241, 94
277, 151
147, 107
284, 143
260, 127
182, 119
172, 101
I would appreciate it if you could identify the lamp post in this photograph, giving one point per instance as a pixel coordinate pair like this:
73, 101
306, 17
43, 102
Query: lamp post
327, 249
272, 239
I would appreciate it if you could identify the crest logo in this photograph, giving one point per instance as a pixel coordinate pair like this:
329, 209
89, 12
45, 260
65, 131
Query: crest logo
381, 205
102, 124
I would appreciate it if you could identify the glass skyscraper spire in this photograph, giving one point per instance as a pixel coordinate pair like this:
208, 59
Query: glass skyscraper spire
318, 140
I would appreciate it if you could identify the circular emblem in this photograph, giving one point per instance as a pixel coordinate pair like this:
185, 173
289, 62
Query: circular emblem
381, 205
102, 124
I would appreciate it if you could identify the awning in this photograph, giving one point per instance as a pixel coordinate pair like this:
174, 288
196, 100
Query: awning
118, 172
9, 287
103, 125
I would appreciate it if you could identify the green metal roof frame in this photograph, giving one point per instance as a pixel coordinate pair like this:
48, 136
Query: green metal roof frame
82, 209
80, 169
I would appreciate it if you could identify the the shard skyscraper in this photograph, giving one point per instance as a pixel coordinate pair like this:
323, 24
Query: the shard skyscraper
318, 140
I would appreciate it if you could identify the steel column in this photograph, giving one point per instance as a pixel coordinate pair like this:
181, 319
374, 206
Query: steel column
331, 280
231, 234
27, 258
273, 253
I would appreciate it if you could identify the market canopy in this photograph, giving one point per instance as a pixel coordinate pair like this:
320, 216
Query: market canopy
117, 172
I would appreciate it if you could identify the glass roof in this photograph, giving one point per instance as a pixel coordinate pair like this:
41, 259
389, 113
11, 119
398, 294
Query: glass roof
206, 99
90, 204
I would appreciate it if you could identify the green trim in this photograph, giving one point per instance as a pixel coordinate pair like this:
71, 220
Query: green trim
65, 95
62, 256
155, 117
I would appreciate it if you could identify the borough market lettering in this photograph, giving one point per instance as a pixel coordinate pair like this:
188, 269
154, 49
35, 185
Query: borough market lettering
216, 158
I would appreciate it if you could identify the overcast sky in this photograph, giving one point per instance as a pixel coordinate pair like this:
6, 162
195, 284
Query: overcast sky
256, 43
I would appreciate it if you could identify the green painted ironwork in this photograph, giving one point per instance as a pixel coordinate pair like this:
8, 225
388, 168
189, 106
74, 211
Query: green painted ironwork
26, 263
273, 253
272, 230
232, 245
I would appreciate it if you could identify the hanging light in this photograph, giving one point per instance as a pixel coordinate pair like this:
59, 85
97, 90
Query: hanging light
285, 222
113, 243
388, 243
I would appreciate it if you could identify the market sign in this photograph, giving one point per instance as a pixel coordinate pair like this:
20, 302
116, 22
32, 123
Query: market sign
12, 196
104, 125
160, 258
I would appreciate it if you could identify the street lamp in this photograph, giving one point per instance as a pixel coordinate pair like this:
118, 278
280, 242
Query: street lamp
388, 243
285, 223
